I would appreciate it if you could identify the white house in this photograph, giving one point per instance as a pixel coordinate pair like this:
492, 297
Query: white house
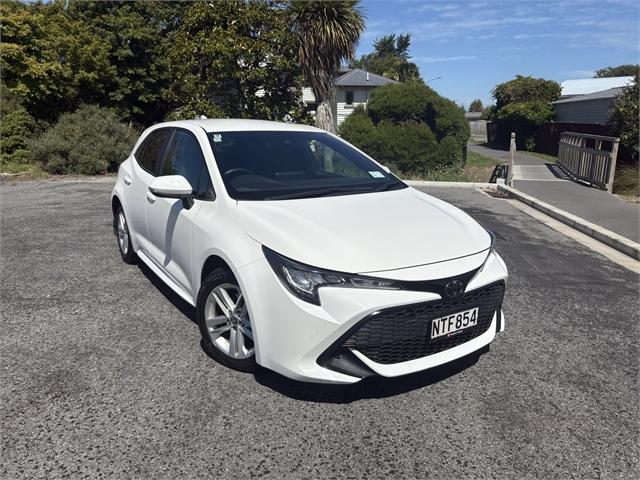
353, 88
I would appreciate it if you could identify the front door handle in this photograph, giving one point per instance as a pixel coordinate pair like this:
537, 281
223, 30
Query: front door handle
150, 197
127, 180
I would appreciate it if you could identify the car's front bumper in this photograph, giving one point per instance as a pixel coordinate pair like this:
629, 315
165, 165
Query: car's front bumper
299, 339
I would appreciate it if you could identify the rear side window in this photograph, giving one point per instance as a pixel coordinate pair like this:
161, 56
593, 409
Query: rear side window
149, 152
184, 157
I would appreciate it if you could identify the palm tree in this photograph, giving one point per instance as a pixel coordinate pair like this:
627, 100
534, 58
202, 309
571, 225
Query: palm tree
328, 33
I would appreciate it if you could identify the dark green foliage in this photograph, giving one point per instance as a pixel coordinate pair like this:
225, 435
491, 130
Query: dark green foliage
90, 141
626, 70
390, 58
138, 36
224, 53
107, 53
415, 101
476, 106
522, 104
16, 127
410, 128
625, 117
525, 89
51, 60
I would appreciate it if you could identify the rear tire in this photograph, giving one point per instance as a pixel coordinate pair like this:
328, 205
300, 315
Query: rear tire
224, 322
124, 237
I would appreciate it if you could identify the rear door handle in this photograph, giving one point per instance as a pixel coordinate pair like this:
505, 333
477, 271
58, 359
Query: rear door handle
150, 197
127, 180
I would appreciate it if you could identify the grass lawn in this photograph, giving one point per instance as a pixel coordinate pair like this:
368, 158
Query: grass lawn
627, 182
28, 169
479, 167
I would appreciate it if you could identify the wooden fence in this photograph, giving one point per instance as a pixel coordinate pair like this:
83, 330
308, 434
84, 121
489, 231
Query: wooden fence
589, 158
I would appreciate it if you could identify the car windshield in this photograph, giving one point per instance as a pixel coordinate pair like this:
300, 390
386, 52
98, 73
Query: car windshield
283, 165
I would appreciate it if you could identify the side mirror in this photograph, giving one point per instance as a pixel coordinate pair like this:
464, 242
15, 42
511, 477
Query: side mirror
386, 169
173, 186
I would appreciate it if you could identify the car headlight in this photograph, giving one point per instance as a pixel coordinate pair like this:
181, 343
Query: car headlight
304, 281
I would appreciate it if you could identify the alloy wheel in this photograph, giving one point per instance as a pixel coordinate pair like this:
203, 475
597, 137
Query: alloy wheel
123, 233
227, 321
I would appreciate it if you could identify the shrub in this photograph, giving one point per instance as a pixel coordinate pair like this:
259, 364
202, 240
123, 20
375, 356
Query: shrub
524, 118
414, 101
89, 141
359, 130
407, 147
16, 128
623, 119
410, 128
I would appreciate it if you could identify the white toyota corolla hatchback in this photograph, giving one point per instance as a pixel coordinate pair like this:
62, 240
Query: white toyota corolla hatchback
302, 254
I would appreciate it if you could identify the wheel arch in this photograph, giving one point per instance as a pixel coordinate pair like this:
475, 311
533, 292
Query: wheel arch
211, 263
115, 203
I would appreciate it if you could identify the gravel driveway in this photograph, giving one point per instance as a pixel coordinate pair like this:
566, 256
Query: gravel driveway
101, 372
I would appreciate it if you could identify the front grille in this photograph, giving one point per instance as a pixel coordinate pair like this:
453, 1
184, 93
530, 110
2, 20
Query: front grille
399, 334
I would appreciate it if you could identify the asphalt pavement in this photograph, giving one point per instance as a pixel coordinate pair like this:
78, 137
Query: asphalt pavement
102, 375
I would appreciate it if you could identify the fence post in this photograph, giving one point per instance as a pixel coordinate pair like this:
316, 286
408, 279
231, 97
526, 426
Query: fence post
512, 154
612, 168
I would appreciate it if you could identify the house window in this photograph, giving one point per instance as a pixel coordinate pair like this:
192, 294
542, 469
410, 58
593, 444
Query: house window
349, 96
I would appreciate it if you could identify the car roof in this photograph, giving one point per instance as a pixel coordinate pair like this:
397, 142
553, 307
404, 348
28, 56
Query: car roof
240, 125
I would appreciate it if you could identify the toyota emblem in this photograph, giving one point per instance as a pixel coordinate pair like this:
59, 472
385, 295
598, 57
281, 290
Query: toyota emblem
454, 288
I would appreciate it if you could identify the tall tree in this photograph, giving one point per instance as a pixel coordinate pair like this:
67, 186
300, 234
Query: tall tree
50, 59
328, 33
235, 59
138, 35
626, 70
476, 106
390, 58
521, 105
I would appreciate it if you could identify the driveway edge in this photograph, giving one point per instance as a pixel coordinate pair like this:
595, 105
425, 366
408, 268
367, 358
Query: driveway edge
601, 234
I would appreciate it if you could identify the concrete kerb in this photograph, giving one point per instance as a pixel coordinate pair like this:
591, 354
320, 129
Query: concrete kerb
597, 232
423, 183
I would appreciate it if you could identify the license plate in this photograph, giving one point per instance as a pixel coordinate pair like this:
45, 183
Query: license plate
454, 323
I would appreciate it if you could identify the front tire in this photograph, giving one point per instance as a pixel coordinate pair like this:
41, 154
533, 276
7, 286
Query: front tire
224, 322
124, 238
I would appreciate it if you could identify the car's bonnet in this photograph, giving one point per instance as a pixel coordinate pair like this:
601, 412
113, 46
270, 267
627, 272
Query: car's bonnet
364, 232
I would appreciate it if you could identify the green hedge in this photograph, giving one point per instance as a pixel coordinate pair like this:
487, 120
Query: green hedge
409, 128
89, 141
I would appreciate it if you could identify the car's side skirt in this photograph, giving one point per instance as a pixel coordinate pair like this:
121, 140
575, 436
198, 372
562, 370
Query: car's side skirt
182, 293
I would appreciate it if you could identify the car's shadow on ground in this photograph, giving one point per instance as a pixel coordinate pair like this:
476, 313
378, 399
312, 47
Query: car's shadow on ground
373, 387
185, 308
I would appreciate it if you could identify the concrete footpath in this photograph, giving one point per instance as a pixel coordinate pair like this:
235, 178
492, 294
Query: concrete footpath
546, 182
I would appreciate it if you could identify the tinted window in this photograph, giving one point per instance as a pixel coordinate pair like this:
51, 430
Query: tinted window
184, 157
151, 149
279, 165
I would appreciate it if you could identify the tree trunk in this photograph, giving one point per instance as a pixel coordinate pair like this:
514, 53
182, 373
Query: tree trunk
324, 116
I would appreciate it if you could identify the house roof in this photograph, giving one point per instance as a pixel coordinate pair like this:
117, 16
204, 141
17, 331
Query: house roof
609, 93
357, 77
584, 86
473, 115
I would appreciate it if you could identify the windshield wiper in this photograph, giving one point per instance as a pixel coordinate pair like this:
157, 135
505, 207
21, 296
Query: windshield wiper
318, 193
388, 186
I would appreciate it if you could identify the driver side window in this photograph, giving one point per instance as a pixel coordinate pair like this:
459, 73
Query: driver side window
184, 157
